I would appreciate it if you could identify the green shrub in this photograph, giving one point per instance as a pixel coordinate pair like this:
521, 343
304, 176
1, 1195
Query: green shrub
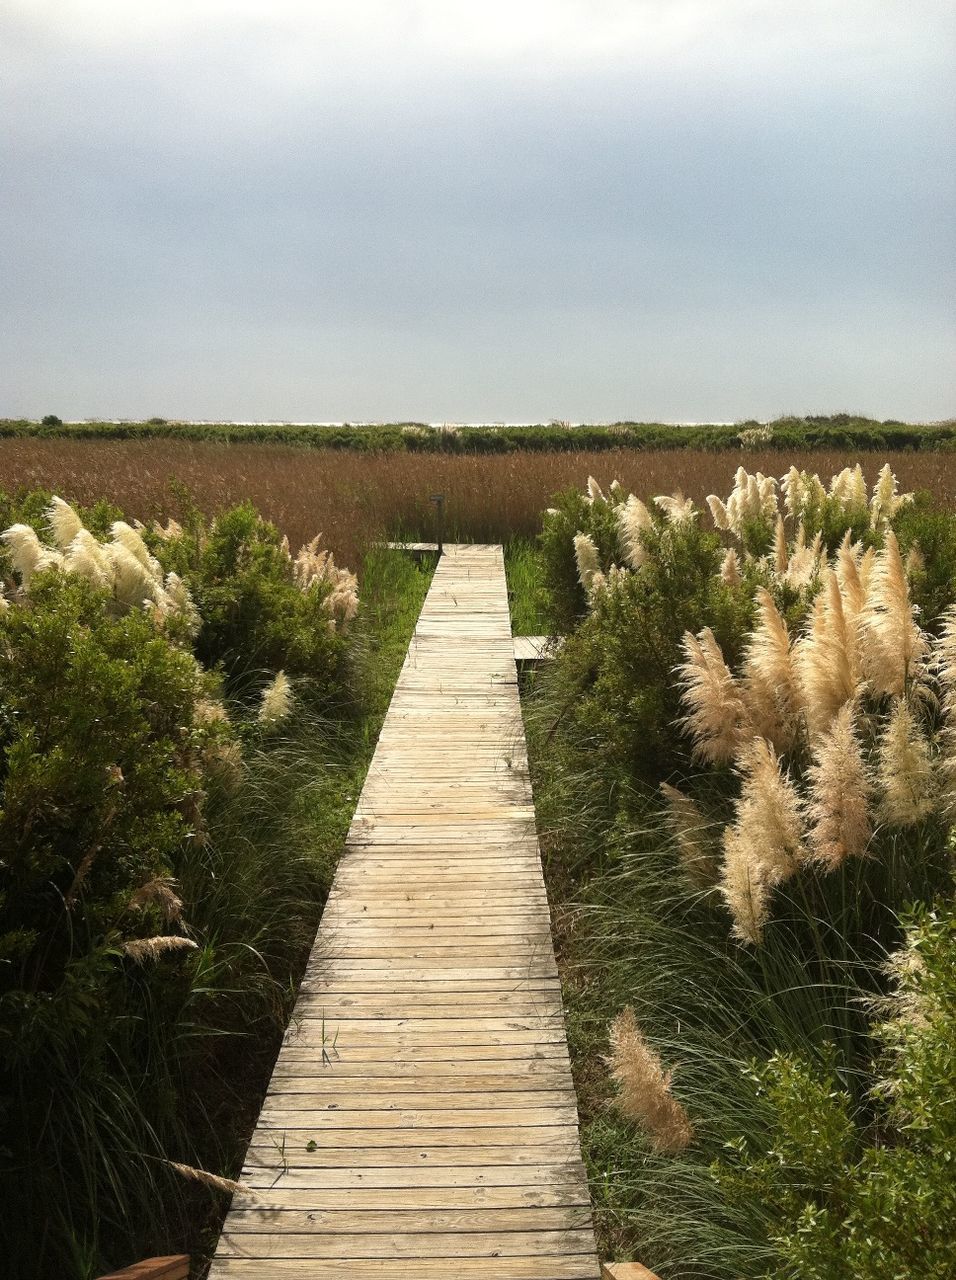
573, 513
101, 786
617, 668
255, 617
866, 1191
929, 530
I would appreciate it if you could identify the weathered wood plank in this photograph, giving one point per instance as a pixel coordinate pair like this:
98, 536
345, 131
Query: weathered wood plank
421, 1119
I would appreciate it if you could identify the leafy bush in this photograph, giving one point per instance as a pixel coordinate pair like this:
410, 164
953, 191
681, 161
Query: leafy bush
618, 666
101, 784
255, 614
865, 1191
929, 532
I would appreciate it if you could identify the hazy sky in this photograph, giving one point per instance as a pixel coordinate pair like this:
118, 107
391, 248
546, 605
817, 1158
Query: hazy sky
490, 210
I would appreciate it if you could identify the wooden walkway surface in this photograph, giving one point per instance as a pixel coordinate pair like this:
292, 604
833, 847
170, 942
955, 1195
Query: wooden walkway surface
421, 1120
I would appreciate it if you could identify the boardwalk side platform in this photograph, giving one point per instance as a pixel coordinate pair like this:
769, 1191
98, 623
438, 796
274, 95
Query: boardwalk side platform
421, 1120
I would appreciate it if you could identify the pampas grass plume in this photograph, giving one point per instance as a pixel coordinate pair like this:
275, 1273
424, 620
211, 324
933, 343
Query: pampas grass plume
159, 892
906, 773
895, 648
276, 700
633, 518
689, 826
730, 569
143, 949
677, 509
63, 521
716, 715
644, 1087
840, 793
586, 559
771, 689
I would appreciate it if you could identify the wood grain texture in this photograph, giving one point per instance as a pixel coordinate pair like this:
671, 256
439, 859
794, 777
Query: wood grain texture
421, 1119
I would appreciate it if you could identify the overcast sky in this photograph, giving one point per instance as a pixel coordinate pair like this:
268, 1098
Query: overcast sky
481, 210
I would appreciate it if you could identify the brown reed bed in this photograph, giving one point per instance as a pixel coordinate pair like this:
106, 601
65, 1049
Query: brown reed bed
355, 498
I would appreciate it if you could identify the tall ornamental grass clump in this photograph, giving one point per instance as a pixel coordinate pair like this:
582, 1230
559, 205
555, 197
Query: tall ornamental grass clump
164, 851
747, 754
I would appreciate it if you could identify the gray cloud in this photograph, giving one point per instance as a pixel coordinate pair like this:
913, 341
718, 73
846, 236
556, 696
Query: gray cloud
287, 213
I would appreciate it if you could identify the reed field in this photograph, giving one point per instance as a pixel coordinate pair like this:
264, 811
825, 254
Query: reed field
355, 498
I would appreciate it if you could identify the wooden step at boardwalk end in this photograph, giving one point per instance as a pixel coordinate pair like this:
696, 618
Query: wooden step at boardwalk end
171, 1267
421, 1119
625, 1271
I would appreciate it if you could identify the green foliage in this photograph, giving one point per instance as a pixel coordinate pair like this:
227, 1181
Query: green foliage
928, 528
99, 770
618, 666
860, 1192
254, 615
573, 513
100, 787
850, 432
523, 568
51, 420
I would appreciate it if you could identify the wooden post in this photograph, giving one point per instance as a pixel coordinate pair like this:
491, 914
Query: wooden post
439, 501
173, 1267
625, 1271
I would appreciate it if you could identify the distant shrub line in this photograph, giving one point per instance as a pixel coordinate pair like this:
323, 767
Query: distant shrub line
836, 431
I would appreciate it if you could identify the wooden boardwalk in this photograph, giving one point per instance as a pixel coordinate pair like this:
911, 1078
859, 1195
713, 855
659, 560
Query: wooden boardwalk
421, 1120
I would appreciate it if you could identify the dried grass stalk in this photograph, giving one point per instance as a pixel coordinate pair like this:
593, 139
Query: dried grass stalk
690, 831
644, 1087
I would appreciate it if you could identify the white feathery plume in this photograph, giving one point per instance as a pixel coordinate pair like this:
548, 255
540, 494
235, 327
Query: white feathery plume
841, 791
744, 887
594, 491
86, 557
171, 529
719, 512
781, 555
915, 562
906, 776
827, 658
181, 601
895, 648
63, 522
27, 553
690, 827
730, 569
677, 509
633, 518
794, 489
342, 602
716, 715
886, 501
131, 539
586, 559
143, 949
133, 584
276, 700
765, 846
944, 662
771, 688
